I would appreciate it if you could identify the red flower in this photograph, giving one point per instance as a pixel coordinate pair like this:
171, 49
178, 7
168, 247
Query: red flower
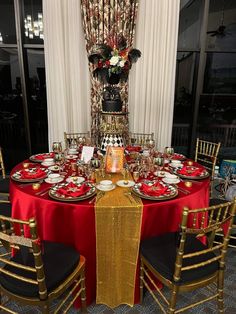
100, 64
107, 62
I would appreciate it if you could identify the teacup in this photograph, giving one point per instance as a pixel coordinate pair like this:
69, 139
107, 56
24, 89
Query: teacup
176, 161
48, 161
53, 177
146, 153
170, 176
106, 184
72, 151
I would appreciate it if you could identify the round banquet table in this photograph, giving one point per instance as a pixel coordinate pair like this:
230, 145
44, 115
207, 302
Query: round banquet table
73, 223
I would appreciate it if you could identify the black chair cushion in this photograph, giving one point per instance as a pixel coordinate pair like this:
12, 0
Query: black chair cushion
5, 209
216, 201
4, 185
59, 262
161, 251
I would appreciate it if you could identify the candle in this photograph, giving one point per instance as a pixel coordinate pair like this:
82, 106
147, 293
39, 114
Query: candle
35, 186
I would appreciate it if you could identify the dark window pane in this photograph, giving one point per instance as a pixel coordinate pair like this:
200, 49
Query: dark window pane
220, 73
222, 25
189, 24
217, 122
37, 101
184, 99
12, 127
7, 22
33, 22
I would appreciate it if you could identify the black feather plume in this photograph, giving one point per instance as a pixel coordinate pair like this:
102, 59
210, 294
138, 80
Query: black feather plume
133, 55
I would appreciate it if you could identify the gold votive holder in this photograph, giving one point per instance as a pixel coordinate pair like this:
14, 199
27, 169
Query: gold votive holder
35, 186
188, 184
190, 163
25, 165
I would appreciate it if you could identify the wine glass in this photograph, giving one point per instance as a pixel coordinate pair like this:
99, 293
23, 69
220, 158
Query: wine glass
57, 147
136, 176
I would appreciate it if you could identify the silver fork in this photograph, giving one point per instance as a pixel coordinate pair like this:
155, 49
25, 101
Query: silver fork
100, 195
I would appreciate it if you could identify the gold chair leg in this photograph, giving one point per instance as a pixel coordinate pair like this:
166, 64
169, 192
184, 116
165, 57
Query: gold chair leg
220, 289
173, 299
83, 294
141, 281
45, 309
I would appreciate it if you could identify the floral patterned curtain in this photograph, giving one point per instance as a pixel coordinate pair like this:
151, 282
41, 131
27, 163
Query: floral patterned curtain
101, 20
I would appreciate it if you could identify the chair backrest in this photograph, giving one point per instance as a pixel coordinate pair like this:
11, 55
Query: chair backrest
206, 154
205, 223
2, 168
76, 139
141, 139
22, 238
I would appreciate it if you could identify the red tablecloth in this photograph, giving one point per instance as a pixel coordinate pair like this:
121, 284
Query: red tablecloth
74, 223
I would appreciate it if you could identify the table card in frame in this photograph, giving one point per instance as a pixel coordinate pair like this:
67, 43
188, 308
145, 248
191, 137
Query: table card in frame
87, 153
114, 162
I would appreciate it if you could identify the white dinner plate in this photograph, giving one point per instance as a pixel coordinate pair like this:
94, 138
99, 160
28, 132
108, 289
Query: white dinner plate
48, 180
123, 185
101, 188
75, 179
171, 181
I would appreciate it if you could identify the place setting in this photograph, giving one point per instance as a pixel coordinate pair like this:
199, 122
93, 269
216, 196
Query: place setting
70, 191
192, 172
41, 157
154, 190
30, 174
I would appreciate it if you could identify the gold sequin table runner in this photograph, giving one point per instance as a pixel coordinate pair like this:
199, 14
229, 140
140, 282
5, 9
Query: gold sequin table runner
118, 227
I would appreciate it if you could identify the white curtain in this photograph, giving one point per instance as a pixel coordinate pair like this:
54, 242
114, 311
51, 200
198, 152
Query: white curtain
67, 74
152, 79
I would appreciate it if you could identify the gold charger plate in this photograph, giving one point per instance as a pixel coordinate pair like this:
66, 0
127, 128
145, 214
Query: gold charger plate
174, 192
16, 176
53, 193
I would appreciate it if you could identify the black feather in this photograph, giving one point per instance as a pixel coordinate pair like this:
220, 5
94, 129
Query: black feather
133, 55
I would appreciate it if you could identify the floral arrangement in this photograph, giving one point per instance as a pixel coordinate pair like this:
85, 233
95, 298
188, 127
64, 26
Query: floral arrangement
112, 61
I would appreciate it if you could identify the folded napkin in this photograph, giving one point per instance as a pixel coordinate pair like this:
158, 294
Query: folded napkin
133, 148
36, 174
43, 156
155, 189
73, 190
191, 171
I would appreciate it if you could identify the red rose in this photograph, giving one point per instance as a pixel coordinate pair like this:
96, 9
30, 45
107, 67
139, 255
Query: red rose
100, 64
107, 62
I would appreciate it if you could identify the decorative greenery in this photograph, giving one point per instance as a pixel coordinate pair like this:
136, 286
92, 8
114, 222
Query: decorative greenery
113, 60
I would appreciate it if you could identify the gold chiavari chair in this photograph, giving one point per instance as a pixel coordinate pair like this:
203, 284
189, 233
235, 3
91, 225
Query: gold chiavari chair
37, 273
76, 138
4, 180
206, 153
141, 139
188, 260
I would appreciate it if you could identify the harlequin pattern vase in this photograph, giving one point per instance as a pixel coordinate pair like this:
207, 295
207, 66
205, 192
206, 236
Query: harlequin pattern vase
115, 140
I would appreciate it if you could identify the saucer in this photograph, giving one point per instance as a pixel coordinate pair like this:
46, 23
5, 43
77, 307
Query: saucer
101, 188
71, 157
54, 168
171, 181
160, 174
75, 179
123, 185
48, 180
